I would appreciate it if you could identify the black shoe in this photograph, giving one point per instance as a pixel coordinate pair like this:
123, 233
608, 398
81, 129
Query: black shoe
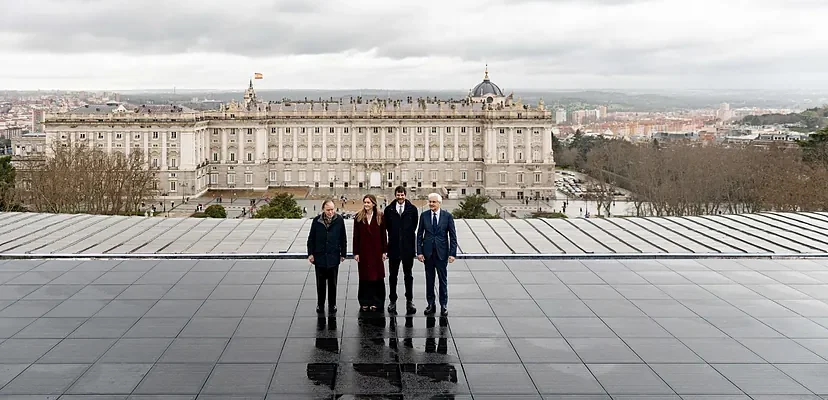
320, 309
392, 308
430, 310
332, 310
444, 312
409, 308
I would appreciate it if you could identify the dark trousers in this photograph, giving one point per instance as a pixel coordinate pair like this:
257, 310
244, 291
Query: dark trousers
371, 293
394, 272
326, 284
436, 267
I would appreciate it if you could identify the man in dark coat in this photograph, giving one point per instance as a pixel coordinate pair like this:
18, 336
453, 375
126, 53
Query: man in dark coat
401, 223
327, 247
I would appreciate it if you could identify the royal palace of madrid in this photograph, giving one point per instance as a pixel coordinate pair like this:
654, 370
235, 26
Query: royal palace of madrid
486, 143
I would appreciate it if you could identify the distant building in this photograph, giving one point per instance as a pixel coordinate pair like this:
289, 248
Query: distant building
560, 116
486, 143
37, 120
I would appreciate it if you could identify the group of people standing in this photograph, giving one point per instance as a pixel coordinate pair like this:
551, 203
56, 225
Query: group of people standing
397, 234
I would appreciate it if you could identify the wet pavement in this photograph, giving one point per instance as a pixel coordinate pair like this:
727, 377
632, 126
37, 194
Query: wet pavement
221, 329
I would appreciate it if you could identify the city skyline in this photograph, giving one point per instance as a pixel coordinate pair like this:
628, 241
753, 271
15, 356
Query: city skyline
562, 44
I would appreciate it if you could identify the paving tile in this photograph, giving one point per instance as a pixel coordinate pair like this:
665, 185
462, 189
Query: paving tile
544, 350
812, 376
99, 292
57, 328
433, 380
10, 326
15, 351
239, 379
148, 327
45, 379
760, 379
508, 379
311, 379
253, 350
16, 292
722, 350
528, 327
634, 379
564, 379
77, 351
263, 327
29, 308
175, 379
210, 327
76, 308
194, 350
10, 371
486, 350
603, 350
582, 327
662, 350
54, 292
147, 350
110, 379
103, 328
695, 379
781, 351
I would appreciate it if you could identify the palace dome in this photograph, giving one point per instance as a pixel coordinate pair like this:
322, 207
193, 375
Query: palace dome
486, 87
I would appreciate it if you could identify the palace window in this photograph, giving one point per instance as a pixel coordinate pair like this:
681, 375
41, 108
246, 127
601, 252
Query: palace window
404, 175
419, 175
433, 129
248, 179
155, 135
82, 136
316, 130
462, 129
231, 179
249, 131
154, 162
331, 130
215, 157
448, 129
117, 136
376, 130
173, 135
390, 176
273, 176
249, 156
449, 175
478, 175
173, 186
476, 129
464, 175
317, 176
287, 130
538, 177
100, 136
346, 130
390, 130
287, 176
173, 163
502, 177
301, 176
520, 178
434, 175
232, 156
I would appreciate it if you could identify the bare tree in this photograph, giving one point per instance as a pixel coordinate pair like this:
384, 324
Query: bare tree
80, 179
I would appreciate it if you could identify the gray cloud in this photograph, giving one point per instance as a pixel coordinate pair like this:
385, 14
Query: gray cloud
600, 38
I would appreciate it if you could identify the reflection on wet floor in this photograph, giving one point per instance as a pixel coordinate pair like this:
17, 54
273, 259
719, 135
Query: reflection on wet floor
378, 340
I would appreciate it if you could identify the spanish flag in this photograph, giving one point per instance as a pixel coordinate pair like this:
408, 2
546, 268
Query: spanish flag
258, 75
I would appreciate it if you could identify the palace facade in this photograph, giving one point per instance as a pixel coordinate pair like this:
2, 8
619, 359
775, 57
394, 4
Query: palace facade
486, 143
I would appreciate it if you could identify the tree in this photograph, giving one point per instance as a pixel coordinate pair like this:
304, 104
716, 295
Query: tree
4, 142
82, 179
473, 207
815, 147
215, 211
7, 177
282, 205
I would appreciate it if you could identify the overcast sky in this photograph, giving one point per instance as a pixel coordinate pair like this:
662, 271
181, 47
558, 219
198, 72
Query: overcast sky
413, 44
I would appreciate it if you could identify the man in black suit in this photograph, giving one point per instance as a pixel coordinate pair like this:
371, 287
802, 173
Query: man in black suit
436, 247
401, 224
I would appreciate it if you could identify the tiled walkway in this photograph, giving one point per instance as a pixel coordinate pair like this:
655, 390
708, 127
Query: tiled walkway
150, 329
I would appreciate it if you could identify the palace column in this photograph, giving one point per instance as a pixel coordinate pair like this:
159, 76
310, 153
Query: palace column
511, 151
281, 150
442, 155
295, 145
456, 143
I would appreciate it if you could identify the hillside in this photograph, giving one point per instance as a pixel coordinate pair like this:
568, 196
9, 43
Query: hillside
808, 120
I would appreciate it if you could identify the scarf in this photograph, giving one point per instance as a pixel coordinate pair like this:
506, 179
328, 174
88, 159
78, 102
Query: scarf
327, 220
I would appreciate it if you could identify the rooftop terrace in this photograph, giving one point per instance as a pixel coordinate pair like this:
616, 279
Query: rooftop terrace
713, 308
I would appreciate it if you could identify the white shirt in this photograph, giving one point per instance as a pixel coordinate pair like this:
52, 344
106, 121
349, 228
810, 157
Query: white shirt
400, 208
433, 213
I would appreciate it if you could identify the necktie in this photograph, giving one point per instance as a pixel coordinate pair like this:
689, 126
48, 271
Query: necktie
434, 221
399, 210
